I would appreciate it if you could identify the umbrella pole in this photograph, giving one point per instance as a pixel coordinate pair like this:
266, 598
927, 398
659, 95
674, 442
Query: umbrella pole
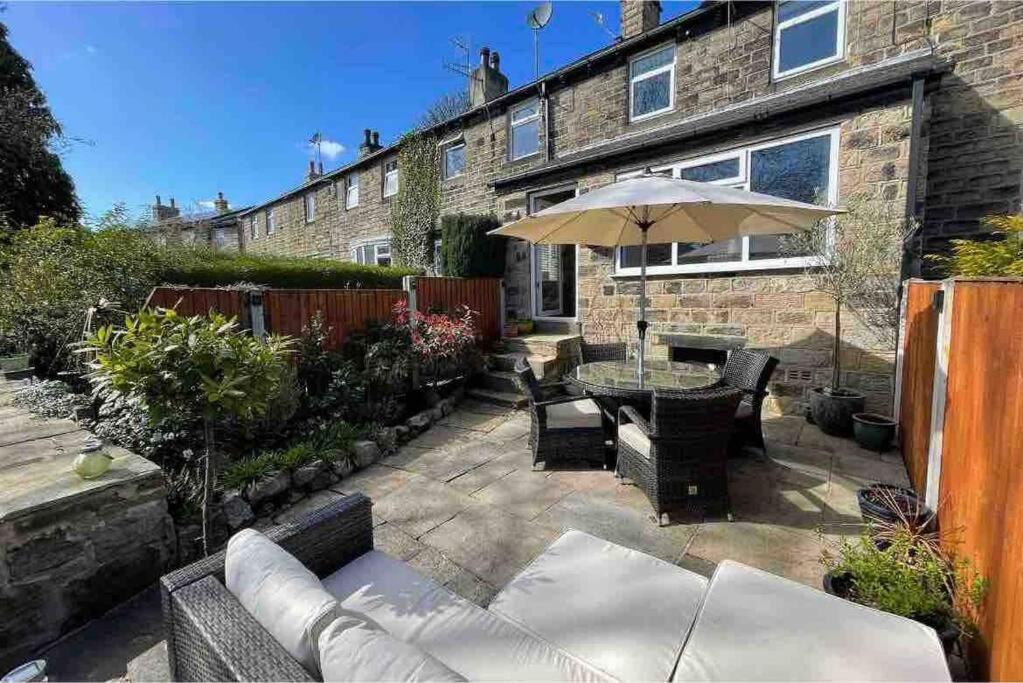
641, 323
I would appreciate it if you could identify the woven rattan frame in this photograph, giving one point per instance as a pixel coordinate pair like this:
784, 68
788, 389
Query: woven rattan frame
749, 371
556, 445
687, 464
591, 353
211, 637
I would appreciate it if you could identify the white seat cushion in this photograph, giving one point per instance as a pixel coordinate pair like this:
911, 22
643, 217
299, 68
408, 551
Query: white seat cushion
755, 626
353, 649
279, 592
621, 610
635, 438
473, 642
574, 415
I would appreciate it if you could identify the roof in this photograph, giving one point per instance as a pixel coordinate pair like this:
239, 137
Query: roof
583, 65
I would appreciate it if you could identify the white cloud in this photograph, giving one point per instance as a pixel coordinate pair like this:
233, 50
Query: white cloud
330, 149
206, 204
91, 49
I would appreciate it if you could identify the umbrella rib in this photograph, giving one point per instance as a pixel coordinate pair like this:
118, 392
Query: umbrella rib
559, 226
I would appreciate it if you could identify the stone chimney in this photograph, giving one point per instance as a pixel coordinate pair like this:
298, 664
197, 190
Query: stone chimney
312, 174
488, 82
639, 16
370, 143
220, 204
162, 212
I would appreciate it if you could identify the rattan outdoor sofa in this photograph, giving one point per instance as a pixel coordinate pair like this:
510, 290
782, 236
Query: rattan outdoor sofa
583, 610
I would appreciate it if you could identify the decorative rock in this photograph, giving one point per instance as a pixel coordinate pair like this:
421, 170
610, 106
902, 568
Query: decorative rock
237, 513
294, 495
401, 433
366, 453
436, 413
267, 487
343, 467
432, 398
446, 406
387, 439
418, 422
334, 478
304, 475
323, 480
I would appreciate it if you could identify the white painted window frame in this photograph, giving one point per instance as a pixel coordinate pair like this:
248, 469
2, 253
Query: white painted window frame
743, 181
444, 157
349, 185
378, 243
837, 5
309, 206
533, 303
253, 228
649, 74
437, 265
513, 124
271, 224
387, 174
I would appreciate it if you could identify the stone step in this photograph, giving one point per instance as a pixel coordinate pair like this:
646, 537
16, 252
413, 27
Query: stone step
499, 380
556, 327
558, 345
542, 365
500, 398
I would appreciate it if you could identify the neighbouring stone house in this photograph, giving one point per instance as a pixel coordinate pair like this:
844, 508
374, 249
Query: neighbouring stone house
914, 102
219, 229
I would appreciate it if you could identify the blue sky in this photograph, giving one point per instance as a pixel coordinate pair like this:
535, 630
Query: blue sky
185, 99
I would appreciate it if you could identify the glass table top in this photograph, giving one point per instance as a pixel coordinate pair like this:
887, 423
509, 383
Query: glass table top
616, 375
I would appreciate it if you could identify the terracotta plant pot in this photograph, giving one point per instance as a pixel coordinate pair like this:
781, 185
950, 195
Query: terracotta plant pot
525, 327
511, 329
832, 410
873, 432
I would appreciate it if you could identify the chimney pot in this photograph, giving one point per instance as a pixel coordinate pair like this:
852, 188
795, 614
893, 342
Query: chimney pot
319, 167
484, 56
158, 200
487, 82
376, 139
366, 133
220, 195
495, 61
312, 166
172, 202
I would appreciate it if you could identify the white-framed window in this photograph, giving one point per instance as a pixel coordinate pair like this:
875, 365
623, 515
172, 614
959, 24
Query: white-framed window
652, 83
808, 34
803, 167
438, 262
524, 130
271, 226
352, 191
219, 239
309, 201
253, 227
374, 253
391, 178
454, 160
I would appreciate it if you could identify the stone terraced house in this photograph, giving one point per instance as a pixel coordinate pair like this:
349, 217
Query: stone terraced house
915, 102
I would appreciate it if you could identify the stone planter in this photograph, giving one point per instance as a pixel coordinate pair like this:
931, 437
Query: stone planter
832, 411
873, 432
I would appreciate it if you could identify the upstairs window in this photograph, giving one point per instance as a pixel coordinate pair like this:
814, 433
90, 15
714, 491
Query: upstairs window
808, 34
524, 136
271, 227
454, 160
376, 253
391, 178
652, 83
310, 207
253, 228
352, 191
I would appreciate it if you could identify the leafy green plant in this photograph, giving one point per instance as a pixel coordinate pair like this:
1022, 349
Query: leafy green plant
201, 366
414, 210
295, 456
239, 474
1000, 257
466, 248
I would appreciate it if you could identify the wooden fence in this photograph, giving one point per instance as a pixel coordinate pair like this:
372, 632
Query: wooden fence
974, 463
346, 311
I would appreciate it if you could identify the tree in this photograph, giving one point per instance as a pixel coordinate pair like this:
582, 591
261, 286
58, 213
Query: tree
444, 108
466, 248
416, 207
856, 261
33, 182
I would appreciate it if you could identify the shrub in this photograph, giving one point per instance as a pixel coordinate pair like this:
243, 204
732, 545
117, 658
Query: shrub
466, 249
239, 474
415, 208
444, 345
50, 398
1000, 257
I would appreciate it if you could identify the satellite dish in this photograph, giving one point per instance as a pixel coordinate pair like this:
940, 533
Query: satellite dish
540, 16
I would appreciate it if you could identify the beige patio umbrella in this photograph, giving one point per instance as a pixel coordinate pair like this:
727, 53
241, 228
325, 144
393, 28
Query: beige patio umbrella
656, 209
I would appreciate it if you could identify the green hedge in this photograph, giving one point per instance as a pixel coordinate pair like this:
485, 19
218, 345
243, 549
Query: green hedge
275, 271
467, 250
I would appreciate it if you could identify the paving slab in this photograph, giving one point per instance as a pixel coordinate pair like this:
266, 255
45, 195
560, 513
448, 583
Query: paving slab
307, 505
420, 505
472, 589
443, 464
471, 406
376, 481
477, 422
481, 476
523, 493
390, 539
492, 544
439, 436
793, 553
516, 429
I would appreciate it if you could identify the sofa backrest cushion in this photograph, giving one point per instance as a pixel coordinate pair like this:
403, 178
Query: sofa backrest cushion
280, 593
354, 649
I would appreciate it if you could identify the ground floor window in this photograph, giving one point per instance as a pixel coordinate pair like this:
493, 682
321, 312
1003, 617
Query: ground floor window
802, 167
376, 253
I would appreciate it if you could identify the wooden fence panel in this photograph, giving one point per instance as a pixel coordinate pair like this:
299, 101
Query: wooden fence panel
919, 339
981, 483
200, 300
345, 311
480, 294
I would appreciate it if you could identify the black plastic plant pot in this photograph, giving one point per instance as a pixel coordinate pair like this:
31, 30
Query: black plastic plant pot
873, 432
837, 584
891, 503
832, 410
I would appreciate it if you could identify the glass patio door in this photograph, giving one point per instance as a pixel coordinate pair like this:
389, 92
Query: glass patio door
550, 274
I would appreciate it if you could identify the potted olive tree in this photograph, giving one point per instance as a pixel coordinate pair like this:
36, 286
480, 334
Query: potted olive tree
856, 259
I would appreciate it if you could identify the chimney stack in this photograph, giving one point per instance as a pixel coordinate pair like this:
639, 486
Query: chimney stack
162, 212
488, 83
312, 174
319, 167
220, 204
639, 16
370, 142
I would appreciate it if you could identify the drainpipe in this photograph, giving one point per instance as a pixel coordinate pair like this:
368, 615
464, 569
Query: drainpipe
545, 102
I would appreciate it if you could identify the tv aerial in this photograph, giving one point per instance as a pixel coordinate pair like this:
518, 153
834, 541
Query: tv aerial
601, 21
537, 19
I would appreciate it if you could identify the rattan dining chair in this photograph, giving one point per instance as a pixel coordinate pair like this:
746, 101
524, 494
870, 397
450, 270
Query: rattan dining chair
749, 371
591, 353
680, 457
561, 428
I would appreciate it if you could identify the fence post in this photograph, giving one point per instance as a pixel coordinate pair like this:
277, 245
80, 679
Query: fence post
501, 311
256, 320
408, 283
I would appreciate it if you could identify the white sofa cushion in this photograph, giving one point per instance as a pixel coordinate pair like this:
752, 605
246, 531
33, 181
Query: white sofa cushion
634, 436
354, 649
279, 592
574, 415
755, 626
470, 640
619, 609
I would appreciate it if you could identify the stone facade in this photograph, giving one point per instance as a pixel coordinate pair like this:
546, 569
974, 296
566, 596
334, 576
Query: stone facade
967, 161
